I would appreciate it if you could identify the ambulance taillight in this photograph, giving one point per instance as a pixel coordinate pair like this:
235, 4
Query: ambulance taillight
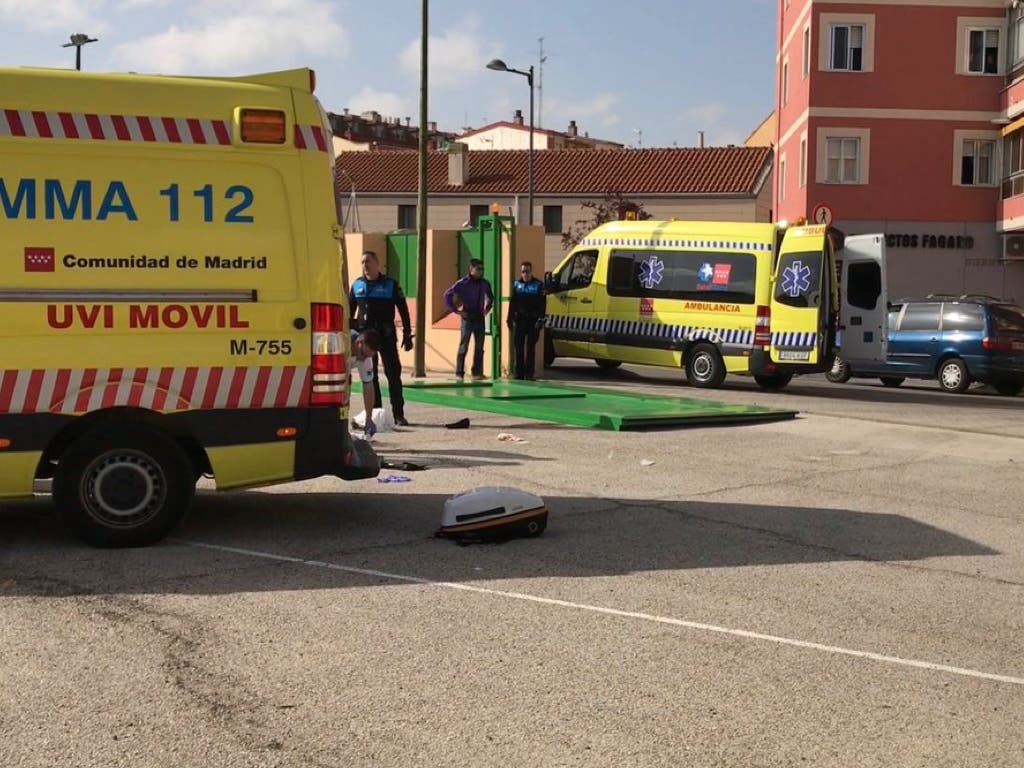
763, 327
328, 358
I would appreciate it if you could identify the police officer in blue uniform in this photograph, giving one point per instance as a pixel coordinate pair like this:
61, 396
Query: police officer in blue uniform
526, 317
372, 303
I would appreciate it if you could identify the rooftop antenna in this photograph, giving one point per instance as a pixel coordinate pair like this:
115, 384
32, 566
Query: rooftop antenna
540, 84
639, 137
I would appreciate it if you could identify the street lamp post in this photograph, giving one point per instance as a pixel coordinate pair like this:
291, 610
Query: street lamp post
500, 66
77, 41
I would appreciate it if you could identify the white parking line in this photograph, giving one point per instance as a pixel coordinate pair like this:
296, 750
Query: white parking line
742, 633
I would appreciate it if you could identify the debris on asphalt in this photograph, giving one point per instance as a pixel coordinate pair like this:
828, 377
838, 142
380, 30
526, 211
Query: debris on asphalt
460, 424
646, 463
394, 479
405, 466
508, 437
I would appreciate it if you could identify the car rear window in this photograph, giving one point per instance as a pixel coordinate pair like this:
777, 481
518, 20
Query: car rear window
1007, 319
920, 317
963, 317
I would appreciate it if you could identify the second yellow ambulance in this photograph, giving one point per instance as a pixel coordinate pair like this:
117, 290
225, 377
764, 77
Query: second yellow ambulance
713, 298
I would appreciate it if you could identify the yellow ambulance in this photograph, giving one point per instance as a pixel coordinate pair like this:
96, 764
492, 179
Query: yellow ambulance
171, 302
710, 297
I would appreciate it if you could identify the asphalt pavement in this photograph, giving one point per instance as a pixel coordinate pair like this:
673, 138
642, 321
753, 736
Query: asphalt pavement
842, 589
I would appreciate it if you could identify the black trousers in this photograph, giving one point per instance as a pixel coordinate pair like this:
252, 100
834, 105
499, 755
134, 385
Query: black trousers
388, 354
524, 346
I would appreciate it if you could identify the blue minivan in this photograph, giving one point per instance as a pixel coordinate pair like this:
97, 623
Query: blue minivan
954, 339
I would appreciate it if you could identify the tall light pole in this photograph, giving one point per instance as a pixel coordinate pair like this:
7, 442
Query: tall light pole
500, 66
77, 41
419, 355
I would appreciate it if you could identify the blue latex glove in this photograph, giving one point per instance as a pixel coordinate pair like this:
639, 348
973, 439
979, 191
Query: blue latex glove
371, 429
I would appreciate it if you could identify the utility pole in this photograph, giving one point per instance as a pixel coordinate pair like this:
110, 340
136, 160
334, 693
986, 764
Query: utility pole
540, 85
419, 367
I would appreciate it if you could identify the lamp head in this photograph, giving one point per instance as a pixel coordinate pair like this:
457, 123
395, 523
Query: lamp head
498, 65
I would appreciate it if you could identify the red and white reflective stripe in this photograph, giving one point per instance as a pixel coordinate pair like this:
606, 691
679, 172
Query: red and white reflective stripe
310, 137
81, 390
142, 128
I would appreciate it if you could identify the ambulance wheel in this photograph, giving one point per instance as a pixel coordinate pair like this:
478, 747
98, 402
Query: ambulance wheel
775, 382
892, 381
549, 351
123, 486
704, 366
607, 365
840, 372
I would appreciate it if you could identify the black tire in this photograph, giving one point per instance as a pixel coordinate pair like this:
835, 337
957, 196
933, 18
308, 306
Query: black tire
774, 382
892, 381
840, 372
549, 351
1009, 388
953, 376
704, 367
608, 365
124, 486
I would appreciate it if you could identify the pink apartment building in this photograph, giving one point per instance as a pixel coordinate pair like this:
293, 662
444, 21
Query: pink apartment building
906, 117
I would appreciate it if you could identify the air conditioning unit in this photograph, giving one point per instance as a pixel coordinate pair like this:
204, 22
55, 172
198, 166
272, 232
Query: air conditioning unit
1013, 248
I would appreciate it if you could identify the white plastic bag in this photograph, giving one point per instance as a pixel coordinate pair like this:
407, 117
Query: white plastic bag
382, 419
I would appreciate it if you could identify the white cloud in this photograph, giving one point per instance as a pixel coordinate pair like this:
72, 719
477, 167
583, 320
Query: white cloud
387, 104
67, 16
601, 110
454, 59
220, 39
709, 114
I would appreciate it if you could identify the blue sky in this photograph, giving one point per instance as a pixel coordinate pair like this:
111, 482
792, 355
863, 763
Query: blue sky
652, 73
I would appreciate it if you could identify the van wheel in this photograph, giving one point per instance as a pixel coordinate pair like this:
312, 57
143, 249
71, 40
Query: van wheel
608, 365
123, 486
953, 376
773, 383
840, 372
892, 381
1009, 388
704, 367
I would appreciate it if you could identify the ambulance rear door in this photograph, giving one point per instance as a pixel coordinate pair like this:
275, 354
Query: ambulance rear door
863, 304
800, 299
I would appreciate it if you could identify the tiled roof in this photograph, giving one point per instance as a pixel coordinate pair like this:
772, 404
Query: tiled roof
708, 171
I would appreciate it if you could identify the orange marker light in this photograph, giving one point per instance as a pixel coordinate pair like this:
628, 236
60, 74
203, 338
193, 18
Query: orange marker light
4, 443
287, 432
263, 126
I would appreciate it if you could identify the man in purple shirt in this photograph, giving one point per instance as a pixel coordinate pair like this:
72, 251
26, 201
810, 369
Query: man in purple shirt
471, 298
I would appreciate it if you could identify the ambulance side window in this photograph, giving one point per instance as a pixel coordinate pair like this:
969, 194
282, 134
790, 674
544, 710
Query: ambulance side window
579, 272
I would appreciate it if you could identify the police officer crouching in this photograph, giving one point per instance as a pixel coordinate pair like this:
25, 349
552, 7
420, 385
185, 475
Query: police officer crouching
372, 302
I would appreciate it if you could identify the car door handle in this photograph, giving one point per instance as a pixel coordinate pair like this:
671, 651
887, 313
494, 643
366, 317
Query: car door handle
585, 300
935, 338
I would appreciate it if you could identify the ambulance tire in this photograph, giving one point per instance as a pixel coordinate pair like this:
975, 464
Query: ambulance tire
773, 383
892, 381
607, 365
549, 351
704, 367
123, 486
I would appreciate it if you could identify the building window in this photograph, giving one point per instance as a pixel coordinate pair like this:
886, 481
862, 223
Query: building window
976, 162
847, 47
807, 52
407, 217
983, 51
782, 178
1013, 164
1016, 37
785, 83
476, 211
803, 161
553, 219
842, 160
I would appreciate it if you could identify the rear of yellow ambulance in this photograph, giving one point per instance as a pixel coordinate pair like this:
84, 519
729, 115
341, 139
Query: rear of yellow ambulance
797, 316
172, 303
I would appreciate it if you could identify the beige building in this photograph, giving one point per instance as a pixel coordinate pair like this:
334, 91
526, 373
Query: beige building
516, 135
379, 189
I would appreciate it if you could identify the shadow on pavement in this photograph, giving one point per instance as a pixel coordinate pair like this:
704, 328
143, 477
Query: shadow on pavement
393, 533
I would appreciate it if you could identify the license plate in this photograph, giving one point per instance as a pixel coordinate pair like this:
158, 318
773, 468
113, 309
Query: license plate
792, 354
